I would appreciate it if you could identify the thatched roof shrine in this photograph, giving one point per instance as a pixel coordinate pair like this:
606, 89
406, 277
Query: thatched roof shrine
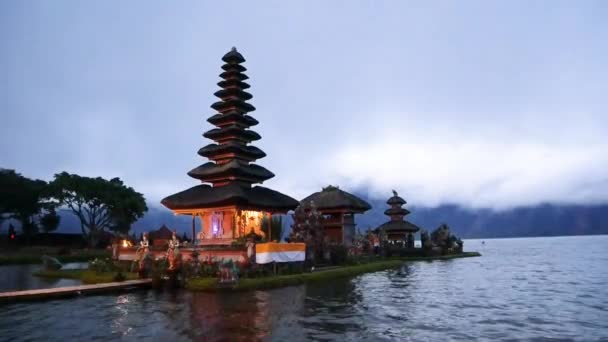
332, 198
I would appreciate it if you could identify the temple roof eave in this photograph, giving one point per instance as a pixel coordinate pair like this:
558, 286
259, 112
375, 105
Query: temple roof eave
334, 199
399, 226
207, 197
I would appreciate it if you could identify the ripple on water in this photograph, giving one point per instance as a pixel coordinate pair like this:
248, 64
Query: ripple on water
521, 289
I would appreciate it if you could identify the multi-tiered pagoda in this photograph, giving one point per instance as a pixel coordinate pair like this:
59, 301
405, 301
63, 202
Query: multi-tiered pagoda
397, 230
229, 206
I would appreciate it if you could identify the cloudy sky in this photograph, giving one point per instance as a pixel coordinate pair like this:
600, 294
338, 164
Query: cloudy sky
483, 104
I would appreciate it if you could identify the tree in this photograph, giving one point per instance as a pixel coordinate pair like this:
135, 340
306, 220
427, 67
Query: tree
99, 204
50, 221
25, 200
308, 227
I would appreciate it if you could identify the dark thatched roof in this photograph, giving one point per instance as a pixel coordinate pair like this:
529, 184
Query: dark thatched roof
332, 197
396, 200
232, 130
233, 56
205, 196
396, 211
230, 117
399, 226
162, 233
243, 151
210, 171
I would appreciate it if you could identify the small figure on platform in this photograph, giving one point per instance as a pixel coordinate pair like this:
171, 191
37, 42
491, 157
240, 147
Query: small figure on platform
142, 255
173, 251
228, 272
200, 236
250, 249
144, 244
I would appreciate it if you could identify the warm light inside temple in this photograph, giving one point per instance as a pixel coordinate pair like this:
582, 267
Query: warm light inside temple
250, 221
253, 215
126, 243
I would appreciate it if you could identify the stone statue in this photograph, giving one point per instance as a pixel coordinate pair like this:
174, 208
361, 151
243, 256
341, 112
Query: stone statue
173, 252
228, 272
142, 256
250, 249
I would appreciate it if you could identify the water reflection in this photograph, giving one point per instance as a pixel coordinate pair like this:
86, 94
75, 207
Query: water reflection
21, 277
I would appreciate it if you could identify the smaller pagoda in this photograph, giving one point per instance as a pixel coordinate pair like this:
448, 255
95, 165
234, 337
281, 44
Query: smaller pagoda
338, 208
398, 231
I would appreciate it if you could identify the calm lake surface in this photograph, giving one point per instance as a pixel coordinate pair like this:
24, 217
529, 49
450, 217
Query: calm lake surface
520, 289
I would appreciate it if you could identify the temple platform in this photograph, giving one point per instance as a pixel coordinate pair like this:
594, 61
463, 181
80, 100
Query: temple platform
217, 251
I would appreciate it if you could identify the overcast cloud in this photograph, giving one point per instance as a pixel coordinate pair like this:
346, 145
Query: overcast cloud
483, 104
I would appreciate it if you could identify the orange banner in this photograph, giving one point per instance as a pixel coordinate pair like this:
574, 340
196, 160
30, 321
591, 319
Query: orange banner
279, 247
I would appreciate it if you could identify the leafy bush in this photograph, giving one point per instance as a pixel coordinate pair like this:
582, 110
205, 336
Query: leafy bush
102, 265
119, 277
338, 254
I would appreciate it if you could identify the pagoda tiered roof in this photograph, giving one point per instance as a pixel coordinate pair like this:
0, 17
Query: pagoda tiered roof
397, 213
231, 169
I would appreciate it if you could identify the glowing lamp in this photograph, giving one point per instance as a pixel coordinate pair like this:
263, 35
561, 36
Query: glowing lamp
126, 243
12, 236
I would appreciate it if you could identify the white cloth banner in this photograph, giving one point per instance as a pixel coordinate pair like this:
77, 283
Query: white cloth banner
266, 257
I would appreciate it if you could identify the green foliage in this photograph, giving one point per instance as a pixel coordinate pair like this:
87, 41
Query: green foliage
158, 268
98, 203
268, 282
276, 227
31, 255
87, 276
119, 277
242, 240
338, 254
308, 228
102, 265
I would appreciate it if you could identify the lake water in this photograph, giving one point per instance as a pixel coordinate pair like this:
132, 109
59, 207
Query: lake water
532, 289
21, 277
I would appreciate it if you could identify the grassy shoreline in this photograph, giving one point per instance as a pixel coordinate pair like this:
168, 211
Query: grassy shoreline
246, 284
86, 276
33, 256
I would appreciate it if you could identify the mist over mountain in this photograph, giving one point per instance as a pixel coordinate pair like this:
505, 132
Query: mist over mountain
540, 220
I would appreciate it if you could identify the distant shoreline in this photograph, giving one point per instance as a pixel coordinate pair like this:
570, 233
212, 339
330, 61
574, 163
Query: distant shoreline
532, 237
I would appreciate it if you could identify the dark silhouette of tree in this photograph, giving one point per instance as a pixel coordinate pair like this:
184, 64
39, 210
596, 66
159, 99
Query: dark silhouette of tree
25, 200
50, 221
99, 204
